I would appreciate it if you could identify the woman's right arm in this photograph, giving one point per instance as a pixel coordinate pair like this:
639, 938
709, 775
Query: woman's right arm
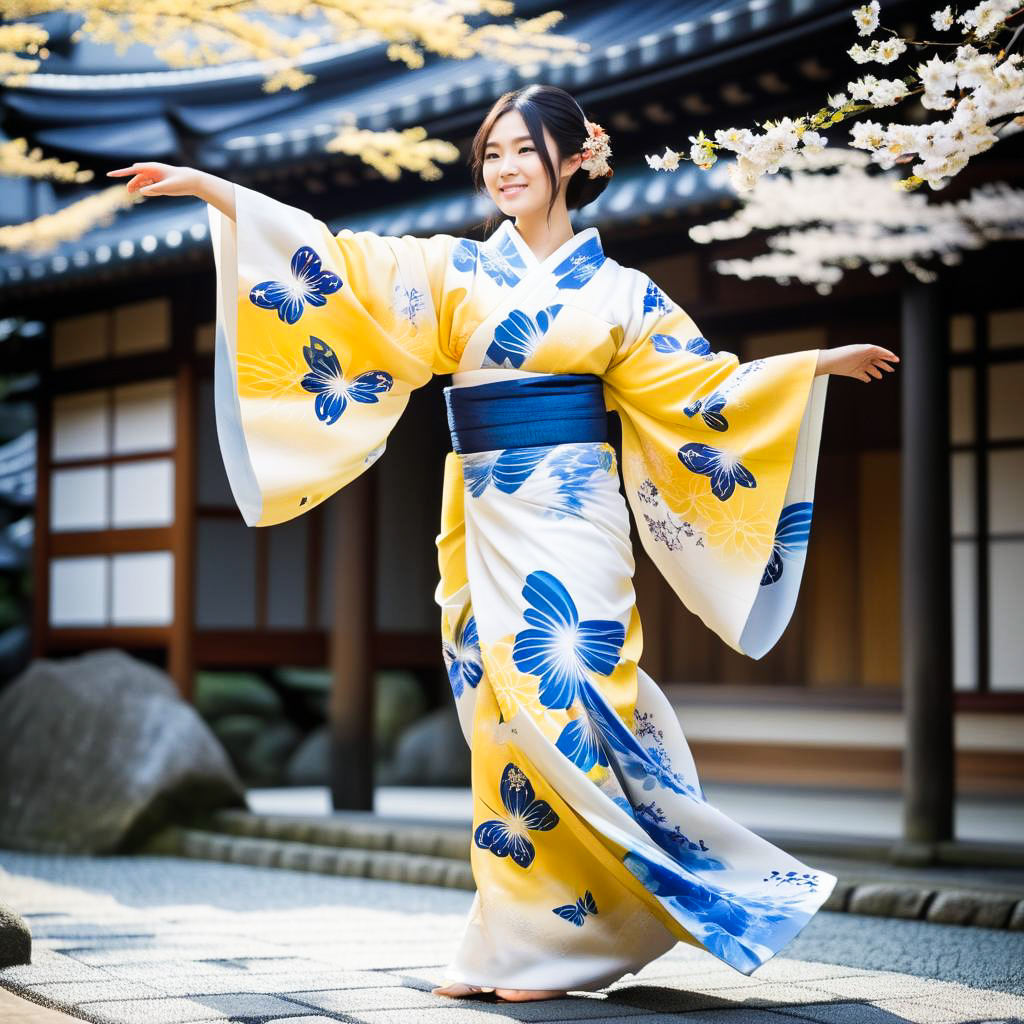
156, 179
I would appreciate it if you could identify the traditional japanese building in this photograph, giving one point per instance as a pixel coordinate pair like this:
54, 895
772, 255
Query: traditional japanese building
915, 572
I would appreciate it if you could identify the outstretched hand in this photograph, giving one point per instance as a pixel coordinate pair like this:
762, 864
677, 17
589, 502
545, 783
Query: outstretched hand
860, 361
156, 179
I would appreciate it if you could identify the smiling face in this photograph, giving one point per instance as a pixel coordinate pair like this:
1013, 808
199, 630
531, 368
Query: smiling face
513, 171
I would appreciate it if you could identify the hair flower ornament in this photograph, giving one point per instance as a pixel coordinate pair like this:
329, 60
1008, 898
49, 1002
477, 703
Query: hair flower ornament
596, 151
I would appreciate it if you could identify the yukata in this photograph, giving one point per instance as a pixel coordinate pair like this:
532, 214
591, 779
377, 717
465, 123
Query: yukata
594, 848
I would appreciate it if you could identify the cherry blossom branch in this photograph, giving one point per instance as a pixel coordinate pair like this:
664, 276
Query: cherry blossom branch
990, 85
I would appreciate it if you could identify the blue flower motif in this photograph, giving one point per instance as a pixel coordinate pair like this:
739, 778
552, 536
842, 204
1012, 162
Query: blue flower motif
791, 537
463, 658
710, 409
578, 268
655, 300
700, 346
576, 912
310, 283
726, 917
326, 380
651, 766
508, 470
723, 469
559, 648
579, 741
506, 836
517, 336
578, 468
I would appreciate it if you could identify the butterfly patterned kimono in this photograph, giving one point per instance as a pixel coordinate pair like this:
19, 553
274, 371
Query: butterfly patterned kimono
594, 849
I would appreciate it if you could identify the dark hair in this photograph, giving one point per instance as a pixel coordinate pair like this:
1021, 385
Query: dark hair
543, 106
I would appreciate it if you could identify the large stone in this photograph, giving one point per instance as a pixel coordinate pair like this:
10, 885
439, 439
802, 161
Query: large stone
431, 752
97, 752
15, 938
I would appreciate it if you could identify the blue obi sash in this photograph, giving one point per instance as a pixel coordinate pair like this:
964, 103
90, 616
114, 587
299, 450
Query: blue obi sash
527, 412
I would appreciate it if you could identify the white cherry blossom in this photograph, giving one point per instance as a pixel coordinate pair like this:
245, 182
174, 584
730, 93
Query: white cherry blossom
867, 18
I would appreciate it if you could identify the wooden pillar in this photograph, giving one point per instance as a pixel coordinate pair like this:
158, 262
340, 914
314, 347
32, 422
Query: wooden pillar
350, 708
181, 643
927, 659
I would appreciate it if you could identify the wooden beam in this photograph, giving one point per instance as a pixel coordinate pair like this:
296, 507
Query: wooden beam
109, 542
246, 648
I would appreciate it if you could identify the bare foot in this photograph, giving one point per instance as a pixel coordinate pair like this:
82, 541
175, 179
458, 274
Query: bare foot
457, 990
522, 995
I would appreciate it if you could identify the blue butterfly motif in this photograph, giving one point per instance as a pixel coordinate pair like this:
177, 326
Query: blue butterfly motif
576, 912
464, 255
723, 469
506, 836
580, 743
700, 346
710, 409
667, 343
501, 261
508, 470
310, 283
408, 302
791, 536
559, 648
517, 336
463, 659
655, 300
577, 269
328, 383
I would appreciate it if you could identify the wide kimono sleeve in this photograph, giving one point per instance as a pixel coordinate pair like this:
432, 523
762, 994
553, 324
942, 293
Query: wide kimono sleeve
718, 463
320, 339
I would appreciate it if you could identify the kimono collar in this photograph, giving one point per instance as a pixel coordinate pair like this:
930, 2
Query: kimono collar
507, 230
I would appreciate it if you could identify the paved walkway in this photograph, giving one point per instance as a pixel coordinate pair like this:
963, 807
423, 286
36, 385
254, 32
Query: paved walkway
159, 940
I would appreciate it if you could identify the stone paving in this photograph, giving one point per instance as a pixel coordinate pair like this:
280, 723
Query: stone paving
162, 940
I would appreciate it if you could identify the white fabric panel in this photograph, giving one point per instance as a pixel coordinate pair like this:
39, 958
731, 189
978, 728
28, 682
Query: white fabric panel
143, 588
212, 485
963, 481
80, 426
143, 493
1006, 490
1006, 595
1006, 328
965, 615
1005, 412
78, 591
142, 327
225, 575
81, 339
206, 337
78, 499
286, 574
144, 417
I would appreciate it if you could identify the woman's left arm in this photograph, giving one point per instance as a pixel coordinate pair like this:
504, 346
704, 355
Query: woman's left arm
860, 361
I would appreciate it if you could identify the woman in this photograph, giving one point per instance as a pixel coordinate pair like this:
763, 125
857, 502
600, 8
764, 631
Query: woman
594, 849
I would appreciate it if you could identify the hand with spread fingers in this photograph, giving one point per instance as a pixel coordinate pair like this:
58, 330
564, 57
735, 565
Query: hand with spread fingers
156, 179
860, 361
